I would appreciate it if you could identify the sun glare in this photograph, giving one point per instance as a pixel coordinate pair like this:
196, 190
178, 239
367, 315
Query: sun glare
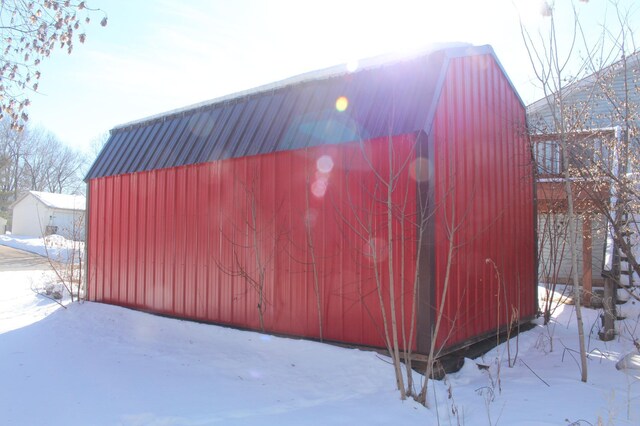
342, 103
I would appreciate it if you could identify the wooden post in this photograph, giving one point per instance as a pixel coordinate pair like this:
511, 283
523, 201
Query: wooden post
586, 260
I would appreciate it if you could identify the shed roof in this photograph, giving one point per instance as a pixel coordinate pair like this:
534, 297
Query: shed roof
392, 95
57, 201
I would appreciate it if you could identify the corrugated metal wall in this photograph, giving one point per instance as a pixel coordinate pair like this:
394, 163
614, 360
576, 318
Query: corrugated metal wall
484, 200
189, 241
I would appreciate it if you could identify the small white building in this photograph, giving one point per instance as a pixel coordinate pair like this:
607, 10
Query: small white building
38, 214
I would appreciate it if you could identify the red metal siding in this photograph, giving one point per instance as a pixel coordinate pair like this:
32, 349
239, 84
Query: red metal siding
182, 241
484, 201
170, 240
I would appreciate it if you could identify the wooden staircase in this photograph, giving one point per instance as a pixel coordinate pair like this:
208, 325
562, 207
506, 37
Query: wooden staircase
628, 277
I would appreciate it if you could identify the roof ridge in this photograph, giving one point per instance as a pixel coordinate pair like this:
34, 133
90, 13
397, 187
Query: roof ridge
335, 71
45, 201
390, 93
576, 85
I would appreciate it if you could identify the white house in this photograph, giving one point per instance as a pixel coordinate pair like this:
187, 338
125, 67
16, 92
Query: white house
42, 213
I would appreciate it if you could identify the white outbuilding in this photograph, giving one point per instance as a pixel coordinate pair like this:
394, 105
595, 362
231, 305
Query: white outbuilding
38, 214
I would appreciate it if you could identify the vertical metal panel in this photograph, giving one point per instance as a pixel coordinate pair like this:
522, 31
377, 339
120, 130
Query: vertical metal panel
252, 115
206, 133
150, 241
202, 205
283, 108
181, 242
124, 230
483, 184
187, 228
215, 145
198, 131
162, 140
151, 145
172, 138
300, 108
108, 225
225, 256
95, 250
115, 237
159, 231
139, 237
264, 128
172, 241
225, 146
168, 212
137, 146
131, 246
191, 240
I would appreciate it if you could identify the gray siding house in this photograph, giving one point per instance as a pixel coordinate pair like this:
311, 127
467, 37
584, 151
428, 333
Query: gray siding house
599, 112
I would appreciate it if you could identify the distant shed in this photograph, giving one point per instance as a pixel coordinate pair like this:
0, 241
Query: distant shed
37, 214
297, 206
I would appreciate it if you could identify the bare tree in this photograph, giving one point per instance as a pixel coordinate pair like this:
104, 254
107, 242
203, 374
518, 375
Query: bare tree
550, 69
66, 257
37, 158
452, 226
613, 157
30, 31
312, 253
63, 175
595, 161
552, 247
95, 147
12, 149
387, 223
254, 242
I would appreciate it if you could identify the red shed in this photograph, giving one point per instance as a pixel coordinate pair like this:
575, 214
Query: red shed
312, 206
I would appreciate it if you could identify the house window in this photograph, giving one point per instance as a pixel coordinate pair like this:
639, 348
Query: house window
547, 155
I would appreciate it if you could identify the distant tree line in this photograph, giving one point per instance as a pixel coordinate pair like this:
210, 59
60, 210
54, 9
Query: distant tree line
35, 159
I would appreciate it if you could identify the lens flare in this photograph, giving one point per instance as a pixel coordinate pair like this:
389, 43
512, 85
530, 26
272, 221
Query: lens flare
324, 164
319, 187
352, 66
342, 103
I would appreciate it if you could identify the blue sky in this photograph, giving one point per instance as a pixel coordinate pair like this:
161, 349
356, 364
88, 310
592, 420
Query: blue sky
158, 55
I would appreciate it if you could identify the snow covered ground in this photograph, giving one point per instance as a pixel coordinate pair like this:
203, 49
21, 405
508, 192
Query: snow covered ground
95, 364
59, 248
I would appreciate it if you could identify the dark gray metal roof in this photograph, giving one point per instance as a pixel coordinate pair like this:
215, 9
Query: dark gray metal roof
396, 97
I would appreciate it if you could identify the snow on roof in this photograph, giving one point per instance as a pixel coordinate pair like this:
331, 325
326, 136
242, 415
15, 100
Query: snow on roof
61, 201
334, 71
395, 94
